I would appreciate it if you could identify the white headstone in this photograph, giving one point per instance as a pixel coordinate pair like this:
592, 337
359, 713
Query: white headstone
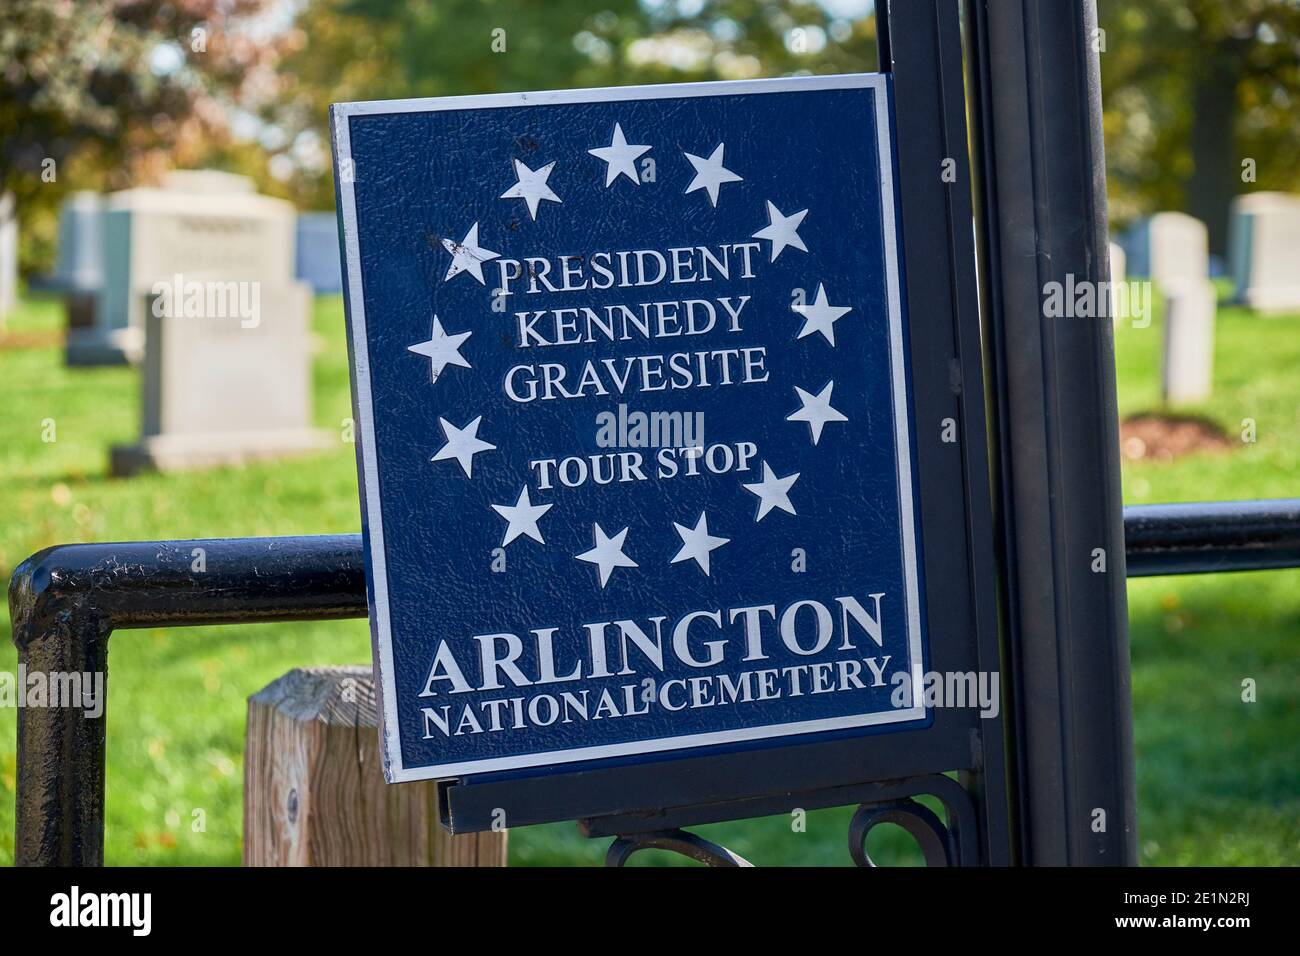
227, 376
211, 181
152, 235
1188, 367
1168, 247
8, 254
1264, 250
318, 251
1117, 279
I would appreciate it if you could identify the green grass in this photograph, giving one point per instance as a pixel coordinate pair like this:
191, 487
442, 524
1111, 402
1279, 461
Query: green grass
1218, 779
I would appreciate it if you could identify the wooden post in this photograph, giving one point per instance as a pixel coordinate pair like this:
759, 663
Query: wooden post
314, 794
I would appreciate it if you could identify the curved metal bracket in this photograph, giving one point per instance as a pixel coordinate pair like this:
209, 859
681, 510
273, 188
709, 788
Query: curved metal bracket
916, 818
941, 845
675, 841
890, 801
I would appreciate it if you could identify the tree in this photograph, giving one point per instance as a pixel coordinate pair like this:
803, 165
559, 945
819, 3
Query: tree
382, 49
108, 93
1192, 89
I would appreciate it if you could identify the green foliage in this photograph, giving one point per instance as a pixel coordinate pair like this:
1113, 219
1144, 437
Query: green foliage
105, 94
1191, 88
382, 49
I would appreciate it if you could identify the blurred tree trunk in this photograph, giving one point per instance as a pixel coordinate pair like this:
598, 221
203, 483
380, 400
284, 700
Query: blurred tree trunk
1216, 172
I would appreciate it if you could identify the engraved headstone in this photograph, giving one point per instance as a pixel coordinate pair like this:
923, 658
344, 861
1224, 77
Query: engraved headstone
152, 235
227, 376
1264, 250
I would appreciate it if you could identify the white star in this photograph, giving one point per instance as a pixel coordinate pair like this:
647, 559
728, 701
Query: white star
462, 444
608, 553
522, 515
816, 410
468, 256
782, 230
442, 350
821, 316
773, 492
531, 187
710, 174
620, 156
697, 542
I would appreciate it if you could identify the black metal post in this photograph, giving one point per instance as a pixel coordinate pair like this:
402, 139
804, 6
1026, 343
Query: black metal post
60, 786
1043, 201
921, 49
65, 602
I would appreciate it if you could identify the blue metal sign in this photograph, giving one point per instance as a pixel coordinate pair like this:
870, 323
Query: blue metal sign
632, 420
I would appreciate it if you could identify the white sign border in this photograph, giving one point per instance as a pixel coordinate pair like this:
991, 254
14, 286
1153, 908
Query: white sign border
341, 114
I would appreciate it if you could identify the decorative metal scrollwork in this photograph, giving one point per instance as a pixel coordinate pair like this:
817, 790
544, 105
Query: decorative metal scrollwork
954, 843
916, 818
941, 845
675, 841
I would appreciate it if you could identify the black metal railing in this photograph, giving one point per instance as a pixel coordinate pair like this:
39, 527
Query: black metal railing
1210, 538
67, 600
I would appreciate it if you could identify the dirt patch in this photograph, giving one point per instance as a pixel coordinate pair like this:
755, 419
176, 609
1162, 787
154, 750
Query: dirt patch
1149, 436
30, 340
